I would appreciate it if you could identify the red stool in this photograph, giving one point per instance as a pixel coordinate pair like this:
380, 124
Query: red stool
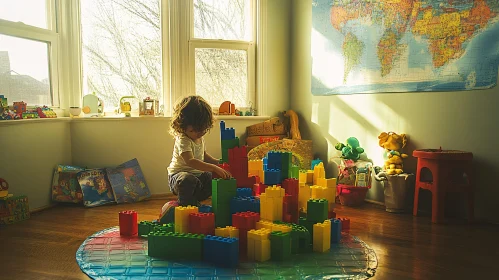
446, 167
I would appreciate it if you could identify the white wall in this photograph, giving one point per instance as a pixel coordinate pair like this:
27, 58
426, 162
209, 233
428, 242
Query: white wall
30, 150
465, 120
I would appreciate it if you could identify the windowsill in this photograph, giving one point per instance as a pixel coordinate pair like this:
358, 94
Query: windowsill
117, 118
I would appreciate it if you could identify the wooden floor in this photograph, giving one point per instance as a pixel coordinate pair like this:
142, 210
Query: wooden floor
407, 247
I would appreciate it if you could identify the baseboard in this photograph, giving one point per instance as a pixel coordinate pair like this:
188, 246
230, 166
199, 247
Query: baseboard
39, 209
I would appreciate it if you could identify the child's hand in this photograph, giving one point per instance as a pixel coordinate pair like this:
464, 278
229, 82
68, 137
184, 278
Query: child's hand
222, 173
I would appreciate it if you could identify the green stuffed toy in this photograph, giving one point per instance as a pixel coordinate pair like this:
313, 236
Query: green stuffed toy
351, 150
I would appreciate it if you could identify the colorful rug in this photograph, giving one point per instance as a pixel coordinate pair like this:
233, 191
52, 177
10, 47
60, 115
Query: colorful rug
106, 255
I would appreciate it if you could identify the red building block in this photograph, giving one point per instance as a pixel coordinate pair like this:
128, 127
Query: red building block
128, 223
245, 220
224, 166
258, 189
345, 224
291, 188
202, 223
331, 214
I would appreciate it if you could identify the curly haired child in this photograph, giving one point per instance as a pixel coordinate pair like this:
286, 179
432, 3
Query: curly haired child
191, 168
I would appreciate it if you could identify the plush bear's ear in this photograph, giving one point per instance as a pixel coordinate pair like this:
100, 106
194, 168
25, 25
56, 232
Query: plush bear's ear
382, 138
404, 139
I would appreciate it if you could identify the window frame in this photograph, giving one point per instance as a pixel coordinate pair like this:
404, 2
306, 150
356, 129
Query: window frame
49, 36
183, 45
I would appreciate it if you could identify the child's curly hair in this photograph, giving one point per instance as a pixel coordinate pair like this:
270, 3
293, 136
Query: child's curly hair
194, 111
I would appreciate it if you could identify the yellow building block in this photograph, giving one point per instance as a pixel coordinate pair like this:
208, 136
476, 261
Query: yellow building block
262, 224
310, 177
259, 245
303, 196
228, 231
182, 218
271, 203
254, 166
330, 184
322, 237
302, 177
319, 172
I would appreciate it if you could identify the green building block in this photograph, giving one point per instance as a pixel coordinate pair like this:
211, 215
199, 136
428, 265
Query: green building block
294, 172
226, 145
175, 246
300, 238
280, 246
146, 227
286, 163
222, 192
317, 210
309, 225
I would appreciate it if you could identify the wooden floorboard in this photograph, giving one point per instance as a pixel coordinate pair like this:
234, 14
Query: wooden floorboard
407, 247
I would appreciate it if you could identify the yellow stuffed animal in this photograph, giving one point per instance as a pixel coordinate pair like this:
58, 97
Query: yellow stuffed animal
393, 144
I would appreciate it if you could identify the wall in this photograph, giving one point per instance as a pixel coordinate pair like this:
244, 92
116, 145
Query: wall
30, 150
463, 120
277, 56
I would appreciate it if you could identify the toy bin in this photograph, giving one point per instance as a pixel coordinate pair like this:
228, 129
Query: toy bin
351, 195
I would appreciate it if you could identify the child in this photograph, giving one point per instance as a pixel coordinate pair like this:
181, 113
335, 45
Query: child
191, 168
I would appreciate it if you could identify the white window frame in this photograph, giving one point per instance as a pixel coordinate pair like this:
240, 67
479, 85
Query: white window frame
183, 45
49, 36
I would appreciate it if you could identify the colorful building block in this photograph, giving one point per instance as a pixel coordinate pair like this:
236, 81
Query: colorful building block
175, 246
244, 204
272, 177
202, 223
258, 245
244, 192
182, 218
221, 251
345, 224
314, 162
258, 189
146, 227
303, 197
317, 210
322, 237
280, 246
319, 172
294, 172
271, 203
335, 230
128, 223
228, 231
205, 209
330, 194
222, 192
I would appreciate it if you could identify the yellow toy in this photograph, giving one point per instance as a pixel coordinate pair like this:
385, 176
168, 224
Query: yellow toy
393, 144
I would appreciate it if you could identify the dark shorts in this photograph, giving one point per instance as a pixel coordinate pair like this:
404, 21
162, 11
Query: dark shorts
189, 188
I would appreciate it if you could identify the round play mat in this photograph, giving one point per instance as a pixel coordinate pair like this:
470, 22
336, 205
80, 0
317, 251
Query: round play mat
106, 255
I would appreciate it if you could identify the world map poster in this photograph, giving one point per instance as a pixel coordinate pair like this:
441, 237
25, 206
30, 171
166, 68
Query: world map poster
368, 46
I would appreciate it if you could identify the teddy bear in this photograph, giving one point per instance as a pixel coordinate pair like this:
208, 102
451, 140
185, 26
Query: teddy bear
351, 150
393, 144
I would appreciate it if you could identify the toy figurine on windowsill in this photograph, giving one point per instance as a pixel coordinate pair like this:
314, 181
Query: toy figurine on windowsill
149, 107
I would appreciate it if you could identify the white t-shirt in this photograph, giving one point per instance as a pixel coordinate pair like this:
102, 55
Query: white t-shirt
185, 144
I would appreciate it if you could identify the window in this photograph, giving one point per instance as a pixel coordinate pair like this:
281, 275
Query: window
121, 50
28, 52
220, 38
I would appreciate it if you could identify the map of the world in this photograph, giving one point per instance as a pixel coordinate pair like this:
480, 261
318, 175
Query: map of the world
367, 46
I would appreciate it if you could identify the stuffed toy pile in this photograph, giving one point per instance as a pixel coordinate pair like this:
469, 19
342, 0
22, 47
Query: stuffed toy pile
393, 144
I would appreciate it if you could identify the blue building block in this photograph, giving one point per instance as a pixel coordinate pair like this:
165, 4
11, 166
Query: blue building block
335, 230
221, 251
274, 160
314, 163
226, 133
204, 209
244, 204
244, 192
272, 177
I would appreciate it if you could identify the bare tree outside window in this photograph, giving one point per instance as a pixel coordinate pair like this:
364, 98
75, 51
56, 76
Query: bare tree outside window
122, 49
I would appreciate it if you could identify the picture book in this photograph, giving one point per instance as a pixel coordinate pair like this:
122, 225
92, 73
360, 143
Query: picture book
95, 187
128, 182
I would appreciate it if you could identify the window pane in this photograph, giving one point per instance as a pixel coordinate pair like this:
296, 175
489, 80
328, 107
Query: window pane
30, 12
222, 75
222, 19
24, 71
121, 49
